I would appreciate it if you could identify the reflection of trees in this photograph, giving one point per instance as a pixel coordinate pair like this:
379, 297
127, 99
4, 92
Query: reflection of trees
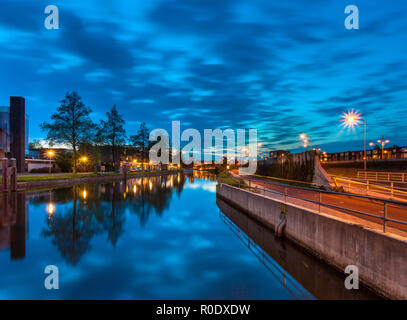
72, 230
114, 215
153, 195
85, 211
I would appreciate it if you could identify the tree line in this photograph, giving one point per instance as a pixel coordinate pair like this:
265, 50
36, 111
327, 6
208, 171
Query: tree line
71, 125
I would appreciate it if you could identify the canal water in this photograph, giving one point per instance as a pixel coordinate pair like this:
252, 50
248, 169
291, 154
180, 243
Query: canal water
161, 237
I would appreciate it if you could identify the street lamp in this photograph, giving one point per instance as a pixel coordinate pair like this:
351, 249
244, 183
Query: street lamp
304, 139
383, 143
50, 154
351, 119
84, 159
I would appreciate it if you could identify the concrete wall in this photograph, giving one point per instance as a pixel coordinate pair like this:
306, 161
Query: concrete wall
321, 280
38, 165
321, 177
382, 260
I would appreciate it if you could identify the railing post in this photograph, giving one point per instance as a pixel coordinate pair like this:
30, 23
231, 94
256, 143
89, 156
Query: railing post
320, 200
377, 176
403, 177
250, 185
285, 195
392, 189
384, 215
388, 177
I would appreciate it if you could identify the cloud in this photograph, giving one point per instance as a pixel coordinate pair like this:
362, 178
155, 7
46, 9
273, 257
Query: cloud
284, 68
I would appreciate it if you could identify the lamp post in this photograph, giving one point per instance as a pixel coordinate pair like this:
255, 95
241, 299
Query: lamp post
383, 143
351, 119
50, 153
304, 139
84, 159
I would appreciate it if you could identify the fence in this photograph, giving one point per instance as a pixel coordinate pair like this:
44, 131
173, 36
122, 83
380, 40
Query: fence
373, 210
389, 189
383, 176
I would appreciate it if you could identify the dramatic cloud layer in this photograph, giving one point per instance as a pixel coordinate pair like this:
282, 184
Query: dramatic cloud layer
281, 67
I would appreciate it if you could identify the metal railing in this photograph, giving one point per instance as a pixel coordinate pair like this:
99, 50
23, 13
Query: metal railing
367, 187
318, 198
288, 281
382, 176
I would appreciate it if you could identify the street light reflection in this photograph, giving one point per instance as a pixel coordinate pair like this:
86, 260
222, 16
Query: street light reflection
50, 208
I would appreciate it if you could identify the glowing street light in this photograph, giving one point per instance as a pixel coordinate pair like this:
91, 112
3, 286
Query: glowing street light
84, 160
383, 143
304, 139
50, 154
351, 119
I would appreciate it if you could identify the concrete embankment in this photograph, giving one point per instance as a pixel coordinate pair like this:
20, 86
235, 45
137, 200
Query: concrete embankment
27, 185
381, 259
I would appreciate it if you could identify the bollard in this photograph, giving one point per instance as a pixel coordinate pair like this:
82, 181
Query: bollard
13, 174
4, 165
279, 229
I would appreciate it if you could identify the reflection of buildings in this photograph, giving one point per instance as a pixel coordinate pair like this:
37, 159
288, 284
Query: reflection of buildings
13, 224
14, 131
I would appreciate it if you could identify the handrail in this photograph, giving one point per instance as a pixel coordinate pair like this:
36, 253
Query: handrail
327, 191
345, 210
367, 187
396, 176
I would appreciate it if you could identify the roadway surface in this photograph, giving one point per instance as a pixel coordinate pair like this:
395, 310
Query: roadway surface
346, 202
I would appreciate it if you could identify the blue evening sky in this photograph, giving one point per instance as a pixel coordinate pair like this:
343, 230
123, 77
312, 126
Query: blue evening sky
283, 67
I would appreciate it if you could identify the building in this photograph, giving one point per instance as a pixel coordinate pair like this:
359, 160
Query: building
394, 152
278, 153
14, 131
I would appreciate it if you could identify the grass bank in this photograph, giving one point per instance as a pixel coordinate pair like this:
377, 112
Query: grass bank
68, 176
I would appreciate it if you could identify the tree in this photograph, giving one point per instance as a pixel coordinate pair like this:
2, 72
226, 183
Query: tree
35, 144
112, 132
70, 125
141, 141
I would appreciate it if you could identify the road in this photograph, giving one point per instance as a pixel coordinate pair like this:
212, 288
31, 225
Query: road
344, 201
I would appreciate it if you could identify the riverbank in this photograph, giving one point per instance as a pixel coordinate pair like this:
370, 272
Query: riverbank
27, 182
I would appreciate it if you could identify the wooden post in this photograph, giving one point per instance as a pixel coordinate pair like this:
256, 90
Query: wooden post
4, 165
13, 174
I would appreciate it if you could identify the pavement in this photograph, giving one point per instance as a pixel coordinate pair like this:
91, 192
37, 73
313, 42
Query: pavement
375, 207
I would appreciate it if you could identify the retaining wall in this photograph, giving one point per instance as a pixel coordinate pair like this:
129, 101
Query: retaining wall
381, 259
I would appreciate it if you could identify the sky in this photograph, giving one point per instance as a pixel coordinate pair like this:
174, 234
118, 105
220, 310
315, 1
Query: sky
282, 67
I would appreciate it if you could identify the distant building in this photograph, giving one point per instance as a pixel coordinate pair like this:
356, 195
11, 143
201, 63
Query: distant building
14, 131
372, 154
278, 153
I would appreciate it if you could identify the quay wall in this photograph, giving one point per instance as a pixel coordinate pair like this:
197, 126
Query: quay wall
381, 259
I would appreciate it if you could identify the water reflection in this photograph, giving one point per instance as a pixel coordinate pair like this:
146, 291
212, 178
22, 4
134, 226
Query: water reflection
13, 224
77, 214
289, 264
